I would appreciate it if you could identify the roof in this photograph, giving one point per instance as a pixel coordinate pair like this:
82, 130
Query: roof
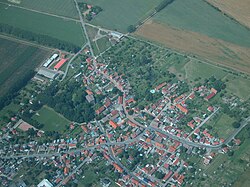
60, 63
45, 183
113, 124
181, 108
51, 74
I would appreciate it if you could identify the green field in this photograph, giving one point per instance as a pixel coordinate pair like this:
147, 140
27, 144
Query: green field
16, 60
52, 120
223, 127
239, 86
198, 16
59, 7
65, 30
119, 14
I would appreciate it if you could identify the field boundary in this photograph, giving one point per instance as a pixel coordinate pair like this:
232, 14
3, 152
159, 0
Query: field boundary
225, 14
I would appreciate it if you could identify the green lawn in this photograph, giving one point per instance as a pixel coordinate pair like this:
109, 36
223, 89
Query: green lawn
65, 30
198, 16
59, 7
119, 14
238, 86
223, 126
103, 44
195, 69
52, 120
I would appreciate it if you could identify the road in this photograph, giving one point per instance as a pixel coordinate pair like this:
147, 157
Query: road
73, 172
84, 28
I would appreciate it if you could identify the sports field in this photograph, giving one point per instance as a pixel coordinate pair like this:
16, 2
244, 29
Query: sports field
52, 120
16, 60
119, 14
65, 30
198, 16
59, 7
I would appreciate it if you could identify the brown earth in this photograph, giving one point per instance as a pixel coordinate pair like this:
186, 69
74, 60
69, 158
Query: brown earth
217, 51
238, 9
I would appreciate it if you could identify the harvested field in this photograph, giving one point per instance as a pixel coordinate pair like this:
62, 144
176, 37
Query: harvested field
16, 60
218, 51
239, 10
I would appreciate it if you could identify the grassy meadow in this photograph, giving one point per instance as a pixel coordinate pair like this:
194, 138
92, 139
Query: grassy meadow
65, 30
200, 17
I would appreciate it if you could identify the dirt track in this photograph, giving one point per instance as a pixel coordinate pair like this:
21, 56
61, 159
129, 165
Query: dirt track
218, 51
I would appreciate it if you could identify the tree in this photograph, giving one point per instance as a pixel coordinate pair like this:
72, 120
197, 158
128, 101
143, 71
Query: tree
236, 125
131, 28
230, 153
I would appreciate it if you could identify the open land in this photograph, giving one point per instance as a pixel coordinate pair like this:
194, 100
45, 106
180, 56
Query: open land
52, 120
239, 10
64, 30
132, 12
179, 27
16, 60
58, 7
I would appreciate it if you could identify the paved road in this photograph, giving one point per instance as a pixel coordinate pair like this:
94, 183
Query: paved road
73, 172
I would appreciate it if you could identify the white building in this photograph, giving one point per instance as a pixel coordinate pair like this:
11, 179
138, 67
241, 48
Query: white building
45, 183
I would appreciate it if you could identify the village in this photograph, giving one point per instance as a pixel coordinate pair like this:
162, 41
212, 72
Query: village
143, 146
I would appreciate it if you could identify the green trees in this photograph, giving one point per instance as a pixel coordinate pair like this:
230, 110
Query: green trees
236, 125
131, 28
68, 100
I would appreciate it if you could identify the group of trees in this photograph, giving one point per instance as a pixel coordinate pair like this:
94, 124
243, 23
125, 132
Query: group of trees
68, 100
39, 38
163, 4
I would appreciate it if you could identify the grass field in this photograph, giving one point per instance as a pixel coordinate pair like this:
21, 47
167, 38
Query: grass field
52, 120
198, 16
65, 30
223, 127
239, 10
238, 86
59, 7
118, 15
16, 60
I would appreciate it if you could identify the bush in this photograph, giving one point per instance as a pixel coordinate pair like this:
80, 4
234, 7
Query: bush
131, 28
236, 125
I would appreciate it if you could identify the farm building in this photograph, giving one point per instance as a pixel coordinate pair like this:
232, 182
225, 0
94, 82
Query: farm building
60, 64
51, 74
50, 60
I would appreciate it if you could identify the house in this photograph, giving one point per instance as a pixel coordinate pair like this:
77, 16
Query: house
181, 108
210, 96
118, 168
45, 183
100, 110
113, 124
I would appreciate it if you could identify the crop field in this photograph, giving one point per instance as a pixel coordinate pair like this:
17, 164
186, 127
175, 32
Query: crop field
118, 15
59, 7
52, 120
238, 86
65, 30
196, 16
202, 46
16, 60
239, 10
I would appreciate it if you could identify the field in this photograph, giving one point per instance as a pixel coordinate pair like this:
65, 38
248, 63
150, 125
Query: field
196, 16
202, 46
65, 30
52, 121
194, 69
239, 86
239, 10
16, 60
186, 26
118, 15
59, 7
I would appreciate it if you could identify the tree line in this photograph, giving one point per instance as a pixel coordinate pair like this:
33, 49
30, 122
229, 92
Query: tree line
38, 38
